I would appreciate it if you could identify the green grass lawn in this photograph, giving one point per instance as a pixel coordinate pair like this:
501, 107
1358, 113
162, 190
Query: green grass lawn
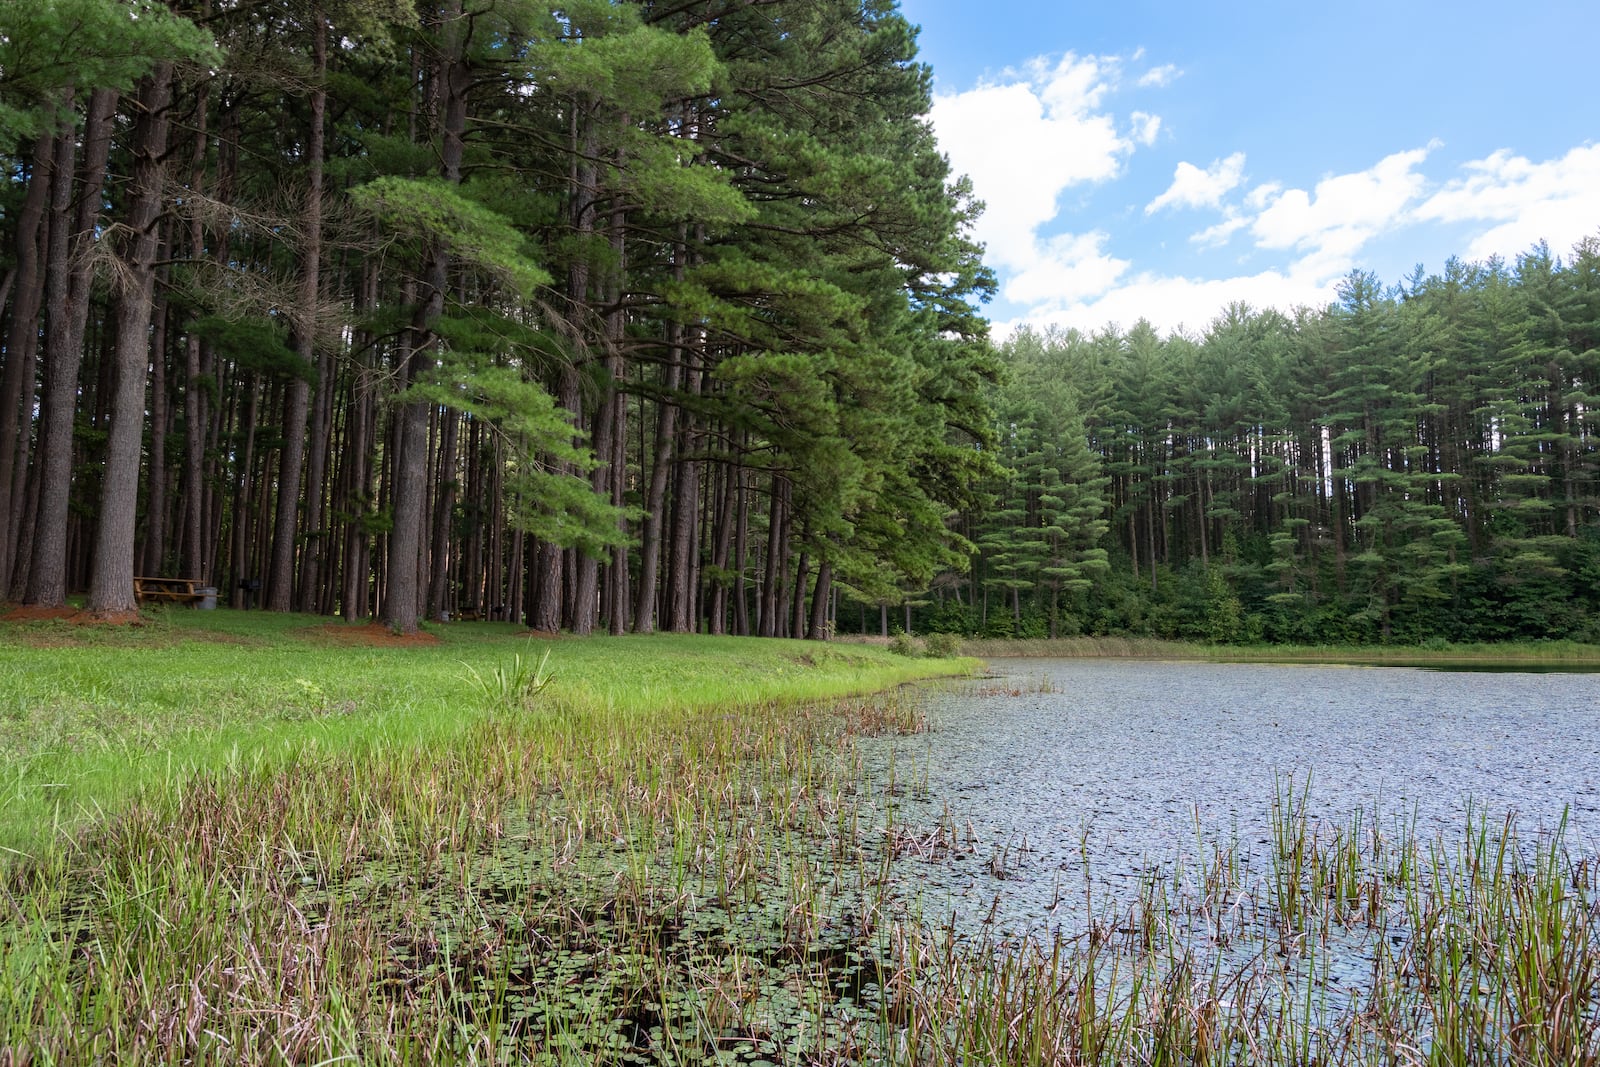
93, 717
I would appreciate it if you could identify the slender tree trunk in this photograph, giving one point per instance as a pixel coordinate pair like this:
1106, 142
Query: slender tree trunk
656, 494
244, 484
797, 620
155, 534
444, 506
317, 543
685, 503
772, 574
358, 498
741, 555
722, 544
22, 343
280, 583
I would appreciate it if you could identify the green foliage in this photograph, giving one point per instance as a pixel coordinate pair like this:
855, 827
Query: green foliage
941, 645
436, 211
53, 53
514, 686
257, 344
1405, 465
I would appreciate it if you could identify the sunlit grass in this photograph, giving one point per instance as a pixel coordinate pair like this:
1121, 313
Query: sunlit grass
92, 717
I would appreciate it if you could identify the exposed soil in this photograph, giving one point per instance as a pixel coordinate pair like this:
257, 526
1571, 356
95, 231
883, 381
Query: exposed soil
37, 613
370, 635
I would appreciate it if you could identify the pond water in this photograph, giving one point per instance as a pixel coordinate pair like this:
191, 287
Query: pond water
1061, 781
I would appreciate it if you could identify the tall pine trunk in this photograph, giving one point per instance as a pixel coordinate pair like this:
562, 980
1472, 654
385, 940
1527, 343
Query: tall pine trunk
280, 583
67, 295
111, 577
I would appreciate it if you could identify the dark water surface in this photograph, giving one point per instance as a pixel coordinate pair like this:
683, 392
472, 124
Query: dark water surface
1067, 779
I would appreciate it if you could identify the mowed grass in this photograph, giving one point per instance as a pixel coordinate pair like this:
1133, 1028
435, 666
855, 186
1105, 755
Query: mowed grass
92, 718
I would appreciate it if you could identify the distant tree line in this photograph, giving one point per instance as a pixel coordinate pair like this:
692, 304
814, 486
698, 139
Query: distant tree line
599, 315
1411, 464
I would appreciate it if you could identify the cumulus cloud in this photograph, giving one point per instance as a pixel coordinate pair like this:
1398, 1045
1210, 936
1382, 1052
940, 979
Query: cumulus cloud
1035, 138
1222, 232
1066, 267
1557, 201
1159, 77
1146, 127
1171, 303
1193, 187
1027, 138
1328, 225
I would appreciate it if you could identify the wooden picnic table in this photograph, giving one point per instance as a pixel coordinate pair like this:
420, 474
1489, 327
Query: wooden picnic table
169, 590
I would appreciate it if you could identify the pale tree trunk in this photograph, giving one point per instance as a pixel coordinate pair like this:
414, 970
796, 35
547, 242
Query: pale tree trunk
155, 535
111, 576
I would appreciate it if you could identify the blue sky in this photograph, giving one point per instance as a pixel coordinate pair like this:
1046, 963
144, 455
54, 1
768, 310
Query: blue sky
1163, 159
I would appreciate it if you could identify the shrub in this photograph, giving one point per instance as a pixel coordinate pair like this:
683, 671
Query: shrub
901, 645
941, 646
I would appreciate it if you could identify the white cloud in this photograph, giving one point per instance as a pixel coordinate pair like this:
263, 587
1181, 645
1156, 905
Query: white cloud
1158, 77
1328, 226
1362, 202
1557, 201
1222, 232
1173, 302
1146, 127
1193, 187
1262, 195
1066, 267
1026, 139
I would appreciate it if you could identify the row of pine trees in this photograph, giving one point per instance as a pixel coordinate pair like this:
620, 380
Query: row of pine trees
635, 315
613, 314
1412, 464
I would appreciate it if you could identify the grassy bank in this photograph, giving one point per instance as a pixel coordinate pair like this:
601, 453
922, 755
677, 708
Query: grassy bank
92, 717
1546, 653
375, 855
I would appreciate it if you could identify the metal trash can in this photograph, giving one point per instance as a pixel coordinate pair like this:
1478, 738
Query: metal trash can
208, 598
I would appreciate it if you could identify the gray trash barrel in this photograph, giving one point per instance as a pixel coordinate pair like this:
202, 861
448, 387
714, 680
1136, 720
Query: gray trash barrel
208, 598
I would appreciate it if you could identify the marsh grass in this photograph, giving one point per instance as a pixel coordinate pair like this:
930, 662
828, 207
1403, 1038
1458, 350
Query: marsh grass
513, 686
619, 874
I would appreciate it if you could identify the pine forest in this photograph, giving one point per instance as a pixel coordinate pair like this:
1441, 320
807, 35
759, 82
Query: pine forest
630, 316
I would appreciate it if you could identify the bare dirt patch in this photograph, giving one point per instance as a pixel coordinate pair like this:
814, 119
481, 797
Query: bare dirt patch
369, 635
76, 616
